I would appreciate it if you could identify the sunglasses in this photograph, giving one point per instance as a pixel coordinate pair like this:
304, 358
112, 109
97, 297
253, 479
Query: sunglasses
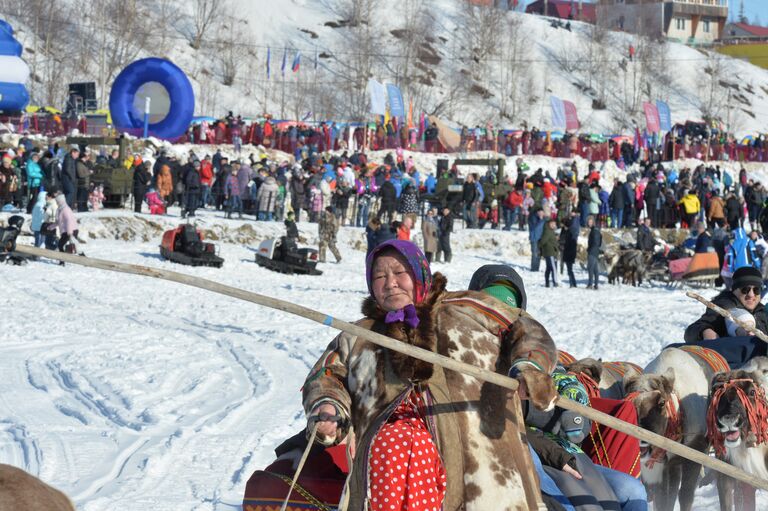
746, 289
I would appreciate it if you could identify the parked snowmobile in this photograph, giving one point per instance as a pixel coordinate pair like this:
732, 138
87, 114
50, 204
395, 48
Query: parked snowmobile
282, 255
185, 245
8, 237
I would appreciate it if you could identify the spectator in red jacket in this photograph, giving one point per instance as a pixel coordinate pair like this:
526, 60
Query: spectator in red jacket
206, 179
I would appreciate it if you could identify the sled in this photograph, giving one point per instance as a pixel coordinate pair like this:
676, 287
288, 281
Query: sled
318, 488
8, 237
282, 255
184, 245
703, 268
678, 267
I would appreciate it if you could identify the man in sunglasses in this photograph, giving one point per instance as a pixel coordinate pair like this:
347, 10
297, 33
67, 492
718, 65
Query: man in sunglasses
744, 294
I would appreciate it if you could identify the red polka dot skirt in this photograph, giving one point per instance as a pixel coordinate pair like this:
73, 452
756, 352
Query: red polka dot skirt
405, 471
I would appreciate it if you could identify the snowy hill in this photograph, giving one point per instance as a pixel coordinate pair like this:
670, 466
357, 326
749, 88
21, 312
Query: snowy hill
467, 65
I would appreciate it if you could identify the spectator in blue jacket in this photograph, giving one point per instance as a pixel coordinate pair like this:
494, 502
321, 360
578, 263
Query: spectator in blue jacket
34, 179
535, 230
704, 240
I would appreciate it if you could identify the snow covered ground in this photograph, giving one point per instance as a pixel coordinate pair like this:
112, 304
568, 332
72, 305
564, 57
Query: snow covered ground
131, 393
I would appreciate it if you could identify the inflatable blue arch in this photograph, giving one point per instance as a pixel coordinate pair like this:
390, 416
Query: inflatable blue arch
172, 100
14, 72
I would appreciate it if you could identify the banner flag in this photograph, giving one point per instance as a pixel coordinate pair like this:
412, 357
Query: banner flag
282, 67
269, 55
665, 116
651, 117
571, 116
396, 105
296, 62
378, 97
558, 112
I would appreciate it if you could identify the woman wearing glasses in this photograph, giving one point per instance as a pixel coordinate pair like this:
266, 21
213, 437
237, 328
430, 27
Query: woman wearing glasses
745, 296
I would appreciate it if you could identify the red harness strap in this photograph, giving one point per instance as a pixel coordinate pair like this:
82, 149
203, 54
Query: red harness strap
592, 387
674, 429
757, 414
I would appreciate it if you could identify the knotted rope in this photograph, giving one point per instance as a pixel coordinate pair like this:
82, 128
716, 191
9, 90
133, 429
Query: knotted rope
757, 413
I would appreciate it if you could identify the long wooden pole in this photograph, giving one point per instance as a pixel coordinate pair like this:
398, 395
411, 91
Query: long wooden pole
727, 314
412, 351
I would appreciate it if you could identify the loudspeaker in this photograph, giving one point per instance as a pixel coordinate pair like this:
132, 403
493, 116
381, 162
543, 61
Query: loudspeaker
86, 92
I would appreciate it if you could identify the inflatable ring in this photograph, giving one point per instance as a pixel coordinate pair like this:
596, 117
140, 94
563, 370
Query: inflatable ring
14, 72
172, 98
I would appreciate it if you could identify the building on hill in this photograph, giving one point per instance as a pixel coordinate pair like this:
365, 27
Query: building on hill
744, 32
687, 21
746, 42
565, 9
500, 4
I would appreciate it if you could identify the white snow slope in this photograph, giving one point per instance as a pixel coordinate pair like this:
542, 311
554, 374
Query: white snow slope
131, 393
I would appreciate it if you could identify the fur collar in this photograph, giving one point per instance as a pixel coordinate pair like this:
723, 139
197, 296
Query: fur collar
423, 336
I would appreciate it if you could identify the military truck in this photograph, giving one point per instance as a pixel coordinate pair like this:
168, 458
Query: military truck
448, 191
117, 182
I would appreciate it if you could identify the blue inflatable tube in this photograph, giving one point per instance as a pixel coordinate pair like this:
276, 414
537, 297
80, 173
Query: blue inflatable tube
128, 116
13, 97
10, 47
8, 44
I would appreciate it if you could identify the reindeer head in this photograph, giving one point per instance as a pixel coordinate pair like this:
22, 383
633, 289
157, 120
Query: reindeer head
589, 366
736, 401
759, 367
650, 394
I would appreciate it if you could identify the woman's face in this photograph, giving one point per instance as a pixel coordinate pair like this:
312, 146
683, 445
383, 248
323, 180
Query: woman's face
751, 299
392, 283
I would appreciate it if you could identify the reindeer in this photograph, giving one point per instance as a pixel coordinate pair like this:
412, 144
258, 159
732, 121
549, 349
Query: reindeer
603, 378
671, 400
630, 265
737, 422
22, 491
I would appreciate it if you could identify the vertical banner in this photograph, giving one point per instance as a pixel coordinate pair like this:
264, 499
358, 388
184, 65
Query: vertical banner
269, 55
285, 56
396, 106
558, 112
296, 62
665, 116
378, 97
651, 117
571, 116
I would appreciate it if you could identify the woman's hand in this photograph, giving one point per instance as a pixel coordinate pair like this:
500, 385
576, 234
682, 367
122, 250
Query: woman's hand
327, 429
570, 470
708, 333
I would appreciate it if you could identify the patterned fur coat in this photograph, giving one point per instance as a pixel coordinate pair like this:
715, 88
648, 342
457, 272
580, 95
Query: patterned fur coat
476, 426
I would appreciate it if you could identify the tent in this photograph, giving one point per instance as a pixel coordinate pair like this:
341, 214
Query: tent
446, 135
103, 111
32, 109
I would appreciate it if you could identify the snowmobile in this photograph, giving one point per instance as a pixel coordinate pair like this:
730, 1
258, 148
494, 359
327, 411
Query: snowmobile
283, 256
8, 237
185, 245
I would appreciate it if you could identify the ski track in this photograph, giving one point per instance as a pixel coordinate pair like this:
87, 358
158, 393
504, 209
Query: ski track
130, 393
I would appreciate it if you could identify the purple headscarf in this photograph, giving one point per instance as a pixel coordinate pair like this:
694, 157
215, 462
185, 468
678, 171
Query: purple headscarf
417, 263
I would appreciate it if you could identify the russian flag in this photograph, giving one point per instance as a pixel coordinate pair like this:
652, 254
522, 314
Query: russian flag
296, 62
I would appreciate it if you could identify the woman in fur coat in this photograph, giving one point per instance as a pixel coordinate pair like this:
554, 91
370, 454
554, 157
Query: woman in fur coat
417, 426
